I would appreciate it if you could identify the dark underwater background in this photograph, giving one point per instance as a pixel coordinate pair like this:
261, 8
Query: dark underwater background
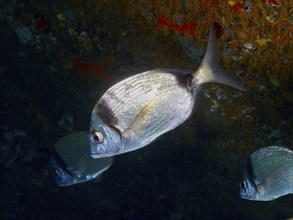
58, 57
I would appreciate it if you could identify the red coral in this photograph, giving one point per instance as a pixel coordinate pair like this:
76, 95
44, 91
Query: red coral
238, 7
82, 65
188, 27
163, 21
99, 71
93, 69
203, 7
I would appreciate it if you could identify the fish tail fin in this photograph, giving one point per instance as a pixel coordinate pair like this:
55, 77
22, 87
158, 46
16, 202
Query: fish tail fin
210, 69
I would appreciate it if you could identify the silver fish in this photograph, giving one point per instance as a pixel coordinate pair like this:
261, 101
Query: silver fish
268, 174
139, 109
72, 162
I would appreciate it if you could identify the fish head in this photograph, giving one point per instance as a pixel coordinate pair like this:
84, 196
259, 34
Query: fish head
105, 140
63, 176
248, 189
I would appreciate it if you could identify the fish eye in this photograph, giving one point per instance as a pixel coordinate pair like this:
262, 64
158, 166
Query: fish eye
57, 173
243, 185
97, 137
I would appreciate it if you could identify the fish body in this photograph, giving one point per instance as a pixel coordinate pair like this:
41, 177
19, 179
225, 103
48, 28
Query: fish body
72, 162
268, 174
139, 109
